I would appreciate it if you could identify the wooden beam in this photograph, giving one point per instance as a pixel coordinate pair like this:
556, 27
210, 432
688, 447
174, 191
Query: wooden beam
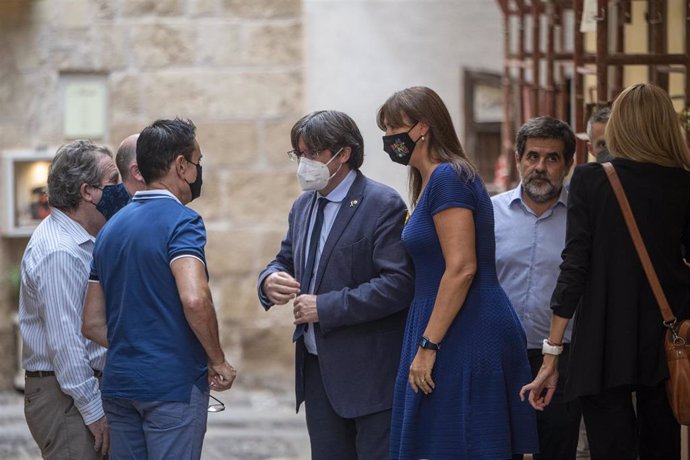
670, 69
506, 126
687, 103
579, 97
503, 4
536, 59
521, 57
602, 52
644, 59
587, 58
626, 13
562, 92
656, 18
620, 44
550, 90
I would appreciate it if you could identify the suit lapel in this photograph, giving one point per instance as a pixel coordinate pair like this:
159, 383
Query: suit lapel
301, 236
348, 208
301, 222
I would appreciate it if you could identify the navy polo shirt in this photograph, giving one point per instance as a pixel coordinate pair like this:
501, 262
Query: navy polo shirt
154, 354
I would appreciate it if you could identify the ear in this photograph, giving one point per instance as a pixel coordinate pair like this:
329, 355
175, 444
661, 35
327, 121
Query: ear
517, 159
180, 164
135, 173
423, 129
344, 156
87, 192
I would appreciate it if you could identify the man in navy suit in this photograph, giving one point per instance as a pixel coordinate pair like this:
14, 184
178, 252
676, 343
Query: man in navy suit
343, 265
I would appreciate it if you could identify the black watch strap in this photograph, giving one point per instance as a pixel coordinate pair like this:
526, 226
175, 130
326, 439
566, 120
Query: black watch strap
427, 344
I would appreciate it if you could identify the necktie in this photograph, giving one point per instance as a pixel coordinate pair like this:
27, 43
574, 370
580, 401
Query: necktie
313, 246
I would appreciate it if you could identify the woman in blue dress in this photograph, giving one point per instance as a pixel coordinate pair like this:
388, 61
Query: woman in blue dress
464, 356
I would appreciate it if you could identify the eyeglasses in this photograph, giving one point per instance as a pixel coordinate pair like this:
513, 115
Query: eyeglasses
218, 406
295, 155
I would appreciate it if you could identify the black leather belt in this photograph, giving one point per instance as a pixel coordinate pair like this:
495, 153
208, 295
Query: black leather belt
40, 374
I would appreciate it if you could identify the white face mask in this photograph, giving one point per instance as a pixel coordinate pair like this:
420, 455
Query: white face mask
314, 175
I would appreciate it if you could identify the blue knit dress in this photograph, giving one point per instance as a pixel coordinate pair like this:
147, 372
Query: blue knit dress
474, 412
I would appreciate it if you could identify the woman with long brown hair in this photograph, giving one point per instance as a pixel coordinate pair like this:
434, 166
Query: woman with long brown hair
464, 356
616, 346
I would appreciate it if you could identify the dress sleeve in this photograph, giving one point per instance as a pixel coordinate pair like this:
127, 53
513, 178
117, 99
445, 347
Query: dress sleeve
448, 189
578, 247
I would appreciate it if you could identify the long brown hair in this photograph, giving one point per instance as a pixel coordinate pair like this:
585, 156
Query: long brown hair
420, 103
644, 127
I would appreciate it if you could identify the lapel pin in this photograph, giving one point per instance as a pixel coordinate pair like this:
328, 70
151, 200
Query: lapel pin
353, 203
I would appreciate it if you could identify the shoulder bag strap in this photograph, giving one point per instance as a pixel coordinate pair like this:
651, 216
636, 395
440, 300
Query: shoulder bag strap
666, 313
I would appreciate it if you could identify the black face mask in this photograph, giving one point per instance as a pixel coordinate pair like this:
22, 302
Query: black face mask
195, 187
399, 147
114, 198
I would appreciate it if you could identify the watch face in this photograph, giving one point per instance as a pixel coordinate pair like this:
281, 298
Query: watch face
426, 344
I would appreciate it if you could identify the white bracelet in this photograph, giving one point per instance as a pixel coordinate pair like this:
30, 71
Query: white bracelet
548, 349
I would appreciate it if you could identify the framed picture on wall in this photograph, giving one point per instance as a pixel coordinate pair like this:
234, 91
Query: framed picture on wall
24, 190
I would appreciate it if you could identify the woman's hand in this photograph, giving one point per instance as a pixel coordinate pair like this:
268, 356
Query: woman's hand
545, 381
420, 371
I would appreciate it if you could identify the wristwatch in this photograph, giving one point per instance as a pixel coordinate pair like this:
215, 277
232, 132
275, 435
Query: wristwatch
428, 344
548, 349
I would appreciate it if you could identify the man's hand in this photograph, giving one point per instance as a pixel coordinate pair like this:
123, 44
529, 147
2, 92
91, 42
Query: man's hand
304, 309
101, 433
280, 287
221, 376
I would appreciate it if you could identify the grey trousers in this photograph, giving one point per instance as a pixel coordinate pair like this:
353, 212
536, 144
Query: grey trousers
55, 423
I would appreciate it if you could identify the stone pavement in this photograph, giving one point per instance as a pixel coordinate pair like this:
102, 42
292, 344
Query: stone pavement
256, 425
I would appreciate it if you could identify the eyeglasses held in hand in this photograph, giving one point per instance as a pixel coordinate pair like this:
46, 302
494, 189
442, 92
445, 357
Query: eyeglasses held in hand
217, 406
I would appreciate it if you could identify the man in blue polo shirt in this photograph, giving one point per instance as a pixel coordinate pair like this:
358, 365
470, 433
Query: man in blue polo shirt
149, 302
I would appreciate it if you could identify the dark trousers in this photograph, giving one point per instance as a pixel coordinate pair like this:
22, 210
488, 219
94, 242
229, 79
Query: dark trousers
558, 424
333, 437
614, 430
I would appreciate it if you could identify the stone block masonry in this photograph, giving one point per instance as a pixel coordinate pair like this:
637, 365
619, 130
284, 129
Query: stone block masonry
234, 67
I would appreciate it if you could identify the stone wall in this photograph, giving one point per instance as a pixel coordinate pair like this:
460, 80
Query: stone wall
235, 68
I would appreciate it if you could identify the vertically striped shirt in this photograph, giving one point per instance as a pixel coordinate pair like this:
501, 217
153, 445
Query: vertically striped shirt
55, 272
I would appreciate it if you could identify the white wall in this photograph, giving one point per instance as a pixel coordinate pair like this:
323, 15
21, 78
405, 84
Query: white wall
359, 52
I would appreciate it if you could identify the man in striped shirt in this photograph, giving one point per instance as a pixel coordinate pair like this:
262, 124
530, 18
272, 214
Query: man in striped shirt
62, 398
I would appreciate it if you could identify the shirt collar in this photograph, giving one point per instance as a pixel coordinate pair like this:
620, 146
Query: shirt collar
158, 193
339, 193
516, 194
71, 227
563, 198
